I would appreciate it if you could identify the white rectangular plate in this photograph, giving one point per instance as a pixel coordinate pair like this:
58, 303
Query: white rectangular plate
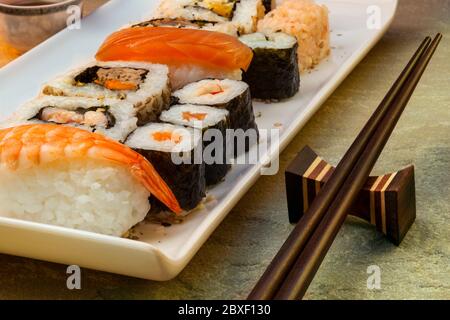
161, 253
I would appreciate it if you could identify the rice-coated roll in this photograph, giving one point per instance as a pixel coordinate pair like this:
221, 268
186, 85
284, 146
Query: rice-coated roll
72, 178
274, 73
243, 14
113, 118
214, 148
247, 14
144, 85
175, 152
224, 27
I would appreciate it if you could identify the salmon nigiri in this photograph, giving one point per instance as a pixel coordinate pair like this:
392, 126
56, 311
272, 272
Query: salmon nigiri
74, 178
191, 54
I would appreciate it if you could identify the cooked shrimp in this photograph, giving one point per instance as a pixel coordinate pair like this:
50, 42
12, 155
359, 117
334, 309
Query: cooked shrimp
31, 145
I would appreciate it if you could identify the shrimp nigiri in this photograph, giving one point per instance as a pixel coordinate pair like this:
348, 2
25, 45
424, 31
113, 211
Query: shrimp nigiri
190, 54
104, 170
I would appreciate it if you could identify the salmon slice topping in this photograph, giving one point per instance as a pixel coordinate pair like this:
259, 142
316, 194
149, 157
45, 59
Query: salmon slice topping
177, 47
32, 145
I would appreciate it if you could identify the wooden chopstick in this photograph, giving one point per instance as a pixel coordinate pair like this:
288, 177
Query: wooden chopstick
307, 264
276, 272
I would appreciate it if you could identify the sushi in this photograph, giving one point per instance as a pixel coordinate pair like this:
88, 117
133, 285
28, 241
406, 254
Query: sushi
214, 124
308, 22
73, 178
175, 152
230, 95
144, 85
181, 23
243, 14
274, 73
113, 118
191, 54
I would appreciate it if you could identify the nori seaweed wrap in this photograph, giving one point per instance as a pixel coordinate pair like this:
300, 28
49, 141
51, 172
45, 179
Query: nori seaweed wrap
274, 72
166, 146
205, 118
231, 95
268, 5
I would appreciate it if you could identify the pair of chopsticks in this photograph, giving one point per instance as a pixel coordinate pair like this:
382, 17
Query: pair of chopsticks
293, 268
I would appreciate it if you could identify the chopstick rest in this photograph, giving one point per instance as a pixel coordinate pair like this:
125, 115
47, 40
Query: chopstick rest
388, 202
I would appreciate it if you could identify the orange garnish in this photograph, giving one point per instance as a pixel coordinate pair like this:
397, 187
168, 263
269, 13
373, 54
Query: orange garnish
117, 85
220, 90
211, 88
167, 136
188, 116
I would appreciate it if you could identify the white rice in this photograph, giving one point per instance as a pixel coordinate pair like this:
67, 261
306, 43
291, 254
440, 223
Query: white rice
184, 139
95, 196
212, 116
279, 40
305, 20
185, 74
123, 112
247, 14
199, 92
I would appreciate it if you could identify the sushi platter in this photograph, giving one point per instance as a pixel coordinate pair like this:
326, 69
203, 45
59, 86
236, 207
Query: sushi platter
100, 126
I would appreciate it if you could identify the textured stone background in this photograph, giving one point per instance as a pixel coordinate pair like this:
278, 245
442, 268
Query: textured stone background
235, 256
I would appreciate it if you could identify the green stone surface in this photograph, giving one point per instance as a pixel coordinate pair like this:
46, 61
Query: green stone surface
232, 260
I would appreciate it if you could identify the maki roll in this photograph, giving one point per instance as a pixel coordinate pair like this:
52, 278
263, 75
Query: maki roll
243, 14
145, 86
231, 95
181, 23
274, 72
173, 151
213, 122
113, 118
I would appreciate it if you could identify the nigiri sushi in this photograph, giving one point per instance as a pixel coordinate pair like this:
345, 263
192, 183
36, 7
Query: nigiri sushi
191, 54
73, 178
